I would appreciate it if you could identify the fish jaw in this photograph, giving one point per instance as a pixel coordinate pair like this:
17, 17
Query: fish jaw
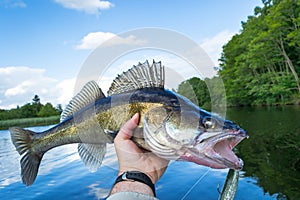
216, 151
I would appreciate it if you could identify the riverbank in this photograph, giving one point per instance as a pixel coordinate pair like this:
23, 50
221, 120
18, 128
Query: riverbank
29, 122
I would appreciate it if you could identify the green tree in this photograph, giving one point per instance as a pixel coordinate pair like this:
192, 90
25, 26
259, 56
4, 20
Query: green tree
48, 110
27, 111
36, 99
2, 114
196, 90
261, 65
59, 108
37, 103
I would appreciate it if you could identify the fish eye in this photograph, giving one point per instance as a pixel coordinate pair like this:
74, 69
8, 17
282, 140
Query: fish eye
209, 123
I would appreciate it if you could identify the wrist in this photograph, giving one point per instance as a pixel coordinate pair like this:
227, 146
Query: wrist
132, 179
153, 178
127, 186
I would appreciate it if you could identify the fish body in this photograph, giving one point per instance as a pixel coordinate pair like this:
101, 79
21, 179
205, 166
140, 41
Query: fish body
170, 125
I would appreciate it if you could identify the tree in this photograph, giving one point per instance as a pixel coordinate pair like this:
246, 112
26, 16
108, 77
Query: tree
37, 103
36, 99
48, 110
59, 108
196, 90
261, 65
27, 111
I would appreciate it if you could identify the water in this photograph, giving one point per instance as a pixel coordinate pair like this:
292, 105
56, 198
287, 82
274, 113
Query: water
271, 156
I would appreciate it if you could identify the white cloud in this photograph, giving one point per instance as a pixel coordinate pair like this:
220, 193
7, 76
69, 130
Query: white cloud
88, 6
176, 68
13, 4
18, 85
19, 89
94, 39
19, 4
66, 90
213, 46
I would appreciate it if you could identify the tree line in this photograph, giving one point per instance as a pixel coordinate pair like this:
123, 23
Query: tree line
261, 64
30, 110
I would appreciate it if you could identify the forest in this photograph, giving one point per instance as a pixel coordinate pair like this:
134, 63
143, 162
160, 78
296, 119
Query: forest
261, 64
31, 110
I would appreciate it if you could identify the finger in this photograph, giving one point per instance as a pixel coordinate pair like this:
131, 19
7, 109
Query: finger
135, 118
127, 129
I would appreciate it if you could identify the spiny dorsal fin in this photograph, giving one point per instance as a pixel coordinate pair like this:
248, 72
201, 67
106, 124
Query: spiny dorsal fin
138, 77
88, 94
92, 155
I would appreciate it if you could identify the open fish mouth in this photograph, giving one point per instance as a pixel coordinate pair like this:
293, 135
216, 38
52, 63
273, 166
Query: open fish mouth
217, 151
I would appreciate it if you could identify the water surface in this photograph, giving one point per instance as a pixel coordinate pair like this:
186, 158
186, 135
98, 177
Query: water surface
271, 171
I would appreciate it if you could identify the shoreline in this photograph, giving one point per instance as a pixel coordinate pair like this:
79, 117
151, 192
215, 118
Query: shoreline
28, 122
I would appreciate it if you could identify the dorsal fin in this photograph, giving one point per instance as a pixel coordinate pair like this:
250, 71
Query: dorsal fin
88, 94
138, 77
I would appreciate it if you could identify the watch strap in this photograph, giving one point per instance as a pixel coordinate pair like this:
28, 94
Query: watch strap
136, 176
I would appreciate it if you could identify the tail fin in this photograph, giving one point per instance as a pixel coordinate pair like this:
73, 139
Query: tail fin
30, 161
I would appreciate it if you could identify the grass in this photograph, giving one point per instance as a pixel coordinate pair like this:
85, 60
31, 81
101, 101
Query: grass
28, 122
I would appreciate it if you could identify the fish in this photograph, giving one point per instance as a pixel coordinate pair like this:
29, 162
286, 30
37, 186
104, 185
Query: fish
170, 126
230, 186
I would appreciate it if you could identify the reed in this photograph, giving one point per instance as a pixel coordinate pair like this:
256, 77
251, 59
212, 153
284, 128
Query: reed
28, 122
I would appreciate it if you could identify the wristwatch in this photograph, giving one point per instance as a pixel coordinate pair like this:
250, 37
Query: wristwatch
136, 176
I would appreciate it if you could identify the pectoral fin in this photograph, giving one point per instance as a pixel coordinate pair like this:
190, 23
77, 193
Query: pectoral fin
92, 155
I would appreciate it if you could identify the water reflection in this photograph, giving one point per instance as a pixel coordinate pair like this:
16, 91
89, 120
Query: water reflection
272, 153
97, 191
9, 162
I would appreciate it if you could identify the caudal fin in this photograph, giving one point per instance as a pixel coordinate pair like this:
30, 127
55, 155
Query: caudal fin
30, 161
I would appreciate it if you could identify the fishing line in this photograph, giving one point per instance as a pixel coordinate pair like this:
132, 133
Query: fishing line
201, 177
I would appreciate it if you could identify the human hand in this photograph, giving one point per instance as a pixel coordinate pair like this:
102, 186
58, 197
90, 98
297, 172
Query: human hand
133, 158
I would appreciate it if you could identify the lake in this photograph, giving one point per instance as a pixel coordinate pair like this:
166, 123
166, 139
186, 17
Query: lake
271, 156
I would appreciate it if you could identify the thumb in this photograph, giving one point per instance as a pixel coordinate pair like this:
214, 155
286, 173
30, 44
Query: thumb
127, 129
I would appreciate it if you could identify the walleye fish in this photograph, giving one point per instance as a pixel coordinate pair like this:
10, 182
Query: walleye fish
170, 125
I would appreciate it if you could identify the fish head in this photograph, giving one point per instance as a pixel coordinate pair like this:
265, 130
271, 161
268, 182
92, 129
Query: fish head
194, 135
214, 143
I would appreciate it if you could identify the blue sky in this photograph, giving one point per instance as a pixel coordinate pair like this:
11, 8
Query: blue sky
45, 42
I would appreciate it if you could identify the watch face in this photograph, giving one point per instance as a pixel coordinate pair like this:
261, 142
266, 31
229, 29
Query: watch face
125, 177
